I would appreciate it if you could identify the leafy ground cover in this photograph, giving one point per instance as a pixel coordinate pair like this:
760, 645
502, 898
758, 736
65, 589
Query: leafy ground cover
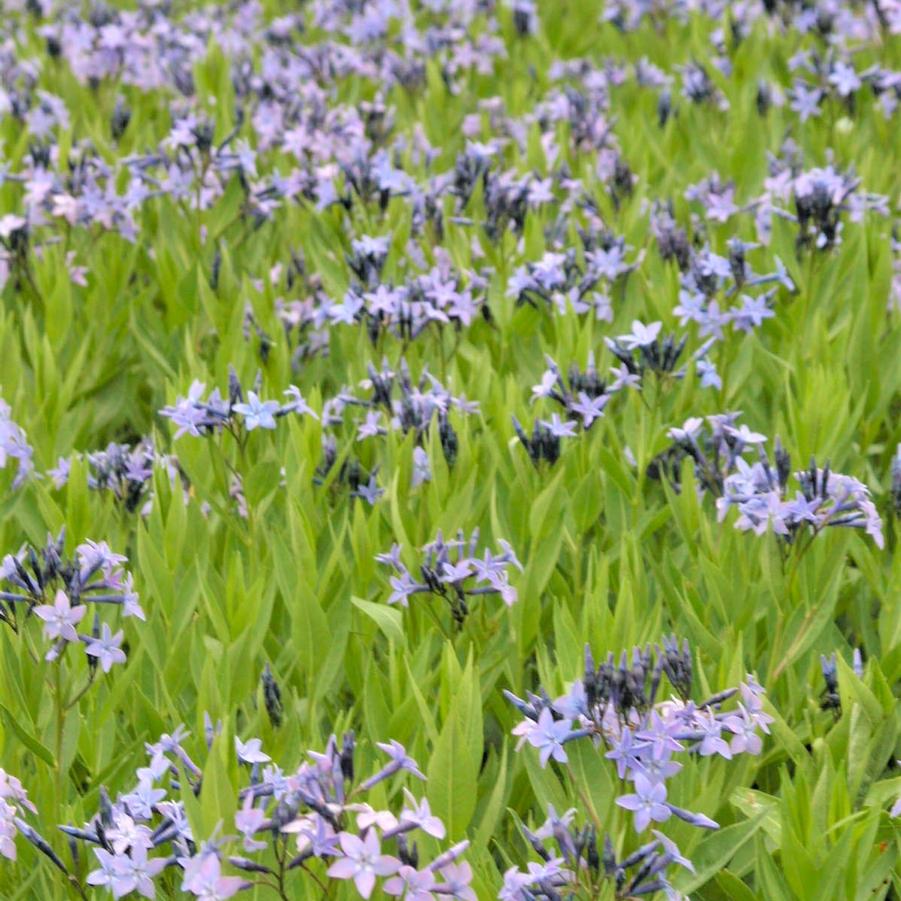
450, 450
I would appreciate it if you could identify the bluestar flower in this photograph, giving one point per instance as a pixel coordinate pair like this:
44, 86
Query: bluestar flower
403, 586
203, 878
624, 378
454, 580
647, 803
60, 618
641, 335
548, 736
296, 403
413, 884
250, 820
13, 443
626, 751
188, 413
251, 751
658, 737
805, 100
589, 408
400, 760
13, 802
455, 882
752, 313
710, 378
370, 492
314, 834
106, 648
419, 813
125, 873
257, 413
362, 861
844, 78
712, 741
371, 426
745, 737
745, 435
422, 470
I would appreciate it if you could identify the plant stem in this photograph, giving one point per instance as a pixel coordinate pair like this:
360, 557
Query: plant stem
586, 800
280, 857
80, 694
60, 724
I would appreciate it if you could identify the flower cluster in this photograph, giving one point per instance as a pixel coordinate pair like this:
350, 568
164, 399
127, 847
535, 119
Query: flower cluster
441, 295
834, 75
507, 196
643, 351
396, 403
564, 281
13, 802
312, 821
616, 706
14, 446
199, 416
359, 481
305, 327
760, 490
58, 590
582, 394
820, 196
708, 282
452, 570
816, 200
713, 444
585, 396
573, 865
544, 442
124, 470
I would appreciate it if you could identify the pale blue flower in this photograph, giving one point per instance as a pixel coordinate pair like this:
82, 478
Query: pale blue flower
257, 413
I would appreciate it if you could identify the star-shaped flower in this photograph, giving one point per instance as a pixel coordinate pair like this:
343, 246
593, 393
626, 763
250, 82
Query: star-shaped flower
60, 618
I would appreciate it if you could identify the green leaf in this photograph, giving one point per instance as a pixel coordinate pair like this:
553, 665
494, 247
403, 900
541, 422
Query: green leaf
772, 884
262, 480
547, 787
717, 849
734, 888
494, 806
27, 739
452, 781
389, 620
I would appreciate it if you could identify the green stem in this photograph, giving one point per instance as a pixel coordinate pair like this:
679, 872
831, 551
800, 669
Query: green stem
60, 725
80, 694
437, 619
586, 800
280, 857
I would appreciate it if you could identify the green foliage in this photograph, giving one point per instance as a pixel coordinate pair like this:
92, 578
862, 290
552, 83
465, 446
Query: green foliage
611, 557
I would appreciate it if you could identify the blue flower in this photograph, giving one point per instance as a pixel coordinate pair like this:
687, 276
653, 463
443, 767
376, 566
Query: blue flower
548, 736
257, 413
